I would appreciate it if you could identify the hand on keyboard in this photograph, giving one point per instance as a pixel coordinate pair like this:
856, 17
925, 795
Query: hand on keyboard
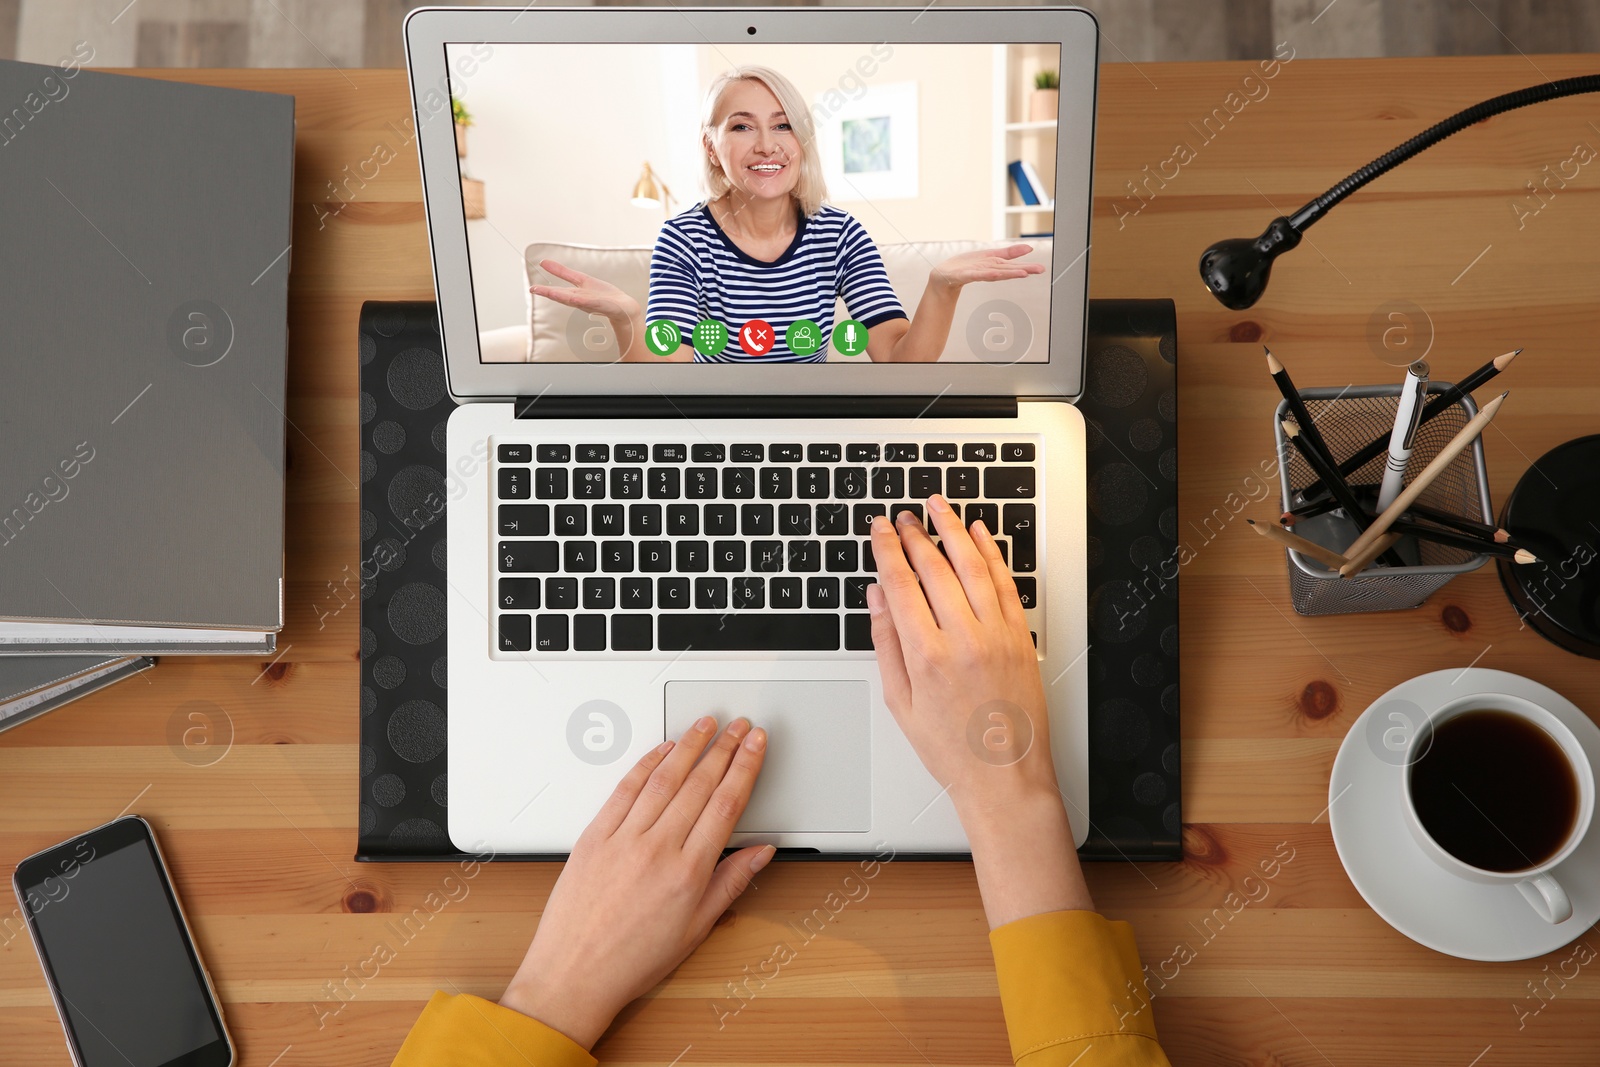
644, 885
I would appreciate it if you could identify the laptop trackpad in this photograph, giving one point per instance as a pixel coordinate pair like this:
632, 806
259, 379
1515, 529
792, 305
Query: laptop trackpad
818, 773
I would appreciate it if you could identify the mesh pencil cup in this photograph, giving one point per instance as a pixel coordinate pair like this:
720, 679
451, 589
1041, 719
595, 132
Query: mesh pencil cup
1347, 419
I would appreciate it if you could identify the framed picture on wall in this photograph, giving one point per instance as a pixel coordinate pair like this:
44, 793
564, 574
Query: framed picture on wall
869, 145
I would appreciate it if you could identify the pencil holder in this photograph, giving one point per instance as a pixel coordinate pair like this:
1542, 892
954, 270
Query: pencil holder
1347, 419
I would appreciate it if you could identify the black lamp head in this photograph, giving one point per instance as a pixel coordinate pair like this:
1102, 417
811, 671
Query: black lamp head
1236, 270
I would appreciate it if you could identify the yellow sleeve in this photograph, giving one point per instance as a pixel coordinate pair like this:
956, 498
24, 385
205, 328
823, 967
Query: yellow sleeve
468, 1031
1073, 992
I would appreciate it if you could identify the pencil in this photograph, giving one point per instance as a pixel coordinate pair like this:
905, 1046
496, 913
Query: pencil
1359, 563
1297, 406
1273, 532
1447, 399
1435, 467
1456, 539
1341, 492
1416, 511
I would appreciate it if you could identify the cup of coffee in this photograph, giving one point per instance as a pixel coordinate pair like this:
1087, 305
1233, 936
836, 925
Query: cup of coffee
1499, 790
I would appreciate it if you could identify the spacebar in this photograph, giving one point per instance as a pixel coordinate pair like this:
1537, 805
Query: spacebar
747, 633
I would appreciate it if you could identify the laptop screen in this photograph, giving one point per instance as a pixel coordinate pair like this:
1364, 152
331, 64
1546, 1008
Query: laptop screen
759, 204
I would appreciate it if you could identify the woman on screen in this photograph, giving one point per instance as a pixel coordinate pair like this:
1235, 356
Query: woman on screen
763, 248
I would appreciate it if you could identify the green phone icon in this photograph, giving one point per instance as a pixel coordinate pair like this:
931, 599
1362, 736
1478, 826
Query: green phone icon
662, 337
710, 337
803, 337
850, 337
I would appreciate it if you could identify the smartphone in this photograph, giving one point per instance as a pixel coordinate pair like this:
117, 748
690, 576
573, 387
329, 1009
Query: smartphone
118, 954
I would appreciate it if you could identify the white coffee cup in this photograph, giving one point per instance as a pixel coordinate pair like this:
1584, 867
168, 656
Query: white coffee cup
1536, 884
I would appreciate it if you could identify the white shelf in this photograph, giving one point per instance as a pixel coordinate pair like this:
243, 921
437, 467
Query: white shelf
1028, 127
1029, 209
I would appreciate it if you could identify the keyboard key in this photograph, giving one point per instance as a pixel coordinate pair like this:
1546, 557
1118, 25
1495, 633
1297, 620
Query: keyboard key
537, 557
700, 483
589, 633
721, 520
655, 556
552, 633
560, 593
1017, 452
524, 520
888, 483
1007, 483
925, 482
728, 556
747, 453
1027, 591
580, 557
707, 453
988, 514
833, 519
842, 556
516, 633
738, 483
752, 633
1020, 525
755, 520
644, 520
794, 520
600, 593
900, 453
914, 508
939, 453
632, 454
978, 453
550, 483
785, 454
594, 453
863, 517
805, 556
589, 483
627, 483
515, 453
822, 453
849, 483
855, 592
777, 483
749, 593
868, 562
711, 594
858, 633
766, 556
669, 453
861, 453
637, 594
813, 483
822, 592
694, 557
616, 557
664, 483
961, 483
554, 453
683, 520
514, 483
572, 520
631, 633
785, 592
519, 594
672, 592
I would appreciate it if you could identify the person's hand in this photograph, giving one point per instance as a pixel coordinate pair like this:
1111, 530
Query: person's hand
644, 885
984, 265
587, 293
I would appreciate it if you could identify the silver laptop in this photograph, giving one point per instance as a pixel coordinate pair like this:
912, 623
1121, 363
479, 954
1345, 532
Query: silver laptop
716, 286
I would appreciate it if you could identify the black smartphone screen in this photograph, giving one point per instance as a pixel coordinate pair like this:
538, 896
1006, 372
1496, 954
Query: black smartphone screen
112, 940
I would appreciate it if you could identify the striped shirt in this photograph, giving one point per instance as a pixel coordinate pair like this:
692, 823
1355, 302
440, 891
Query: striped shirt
697, 273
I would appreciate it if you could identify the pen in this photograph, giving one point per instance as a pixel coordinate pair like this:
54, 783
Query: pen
1407, 417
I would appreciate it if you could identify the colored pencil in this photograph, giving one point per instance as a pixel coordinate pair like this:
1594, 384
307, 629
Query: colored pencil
1273, 532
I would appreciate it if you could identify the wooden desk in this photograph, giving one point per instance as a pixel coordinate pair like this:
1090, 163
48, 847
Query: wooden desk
261, 839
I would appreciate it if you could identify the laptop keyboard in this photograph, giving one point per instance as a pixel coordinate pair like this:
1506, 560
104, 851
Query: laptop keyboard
672, 547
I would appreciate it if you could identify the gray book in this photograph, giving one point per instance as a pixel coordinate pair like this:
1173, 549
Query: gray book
33, 685
144, 294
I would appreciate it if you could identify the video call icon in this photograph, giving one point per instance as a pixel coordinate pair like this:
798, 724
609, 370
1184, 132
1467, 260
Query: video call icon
803, 337
662, 337
757, 338
710, 337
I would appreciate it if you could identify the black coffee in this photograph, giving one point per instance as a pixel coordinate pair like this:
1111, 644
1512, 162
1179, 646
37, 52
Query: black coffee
1495, 791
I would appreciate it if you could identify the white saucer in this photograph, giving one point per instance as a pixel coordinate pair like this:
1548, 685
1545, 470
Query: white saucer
1402, 884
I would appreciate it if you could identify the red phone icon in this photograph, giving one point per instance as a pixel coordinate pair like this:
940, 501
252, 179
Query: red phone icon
756, 337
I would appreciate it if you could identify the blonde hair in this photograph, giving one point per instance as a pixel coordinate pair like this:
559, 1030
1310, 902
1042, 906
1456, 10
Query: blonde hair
811, 188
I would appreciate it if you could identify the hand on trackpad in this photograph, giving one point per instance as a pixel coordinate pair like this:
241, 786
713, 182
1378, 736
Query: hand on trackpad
818, 772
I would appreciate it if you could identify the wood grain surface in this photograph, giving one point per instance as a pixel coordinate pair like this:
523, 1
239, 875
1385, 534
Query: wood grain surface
261, 839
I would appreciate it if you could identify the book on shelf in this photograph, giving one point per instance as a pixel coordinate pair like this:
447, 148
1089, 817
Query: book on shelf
1029, 187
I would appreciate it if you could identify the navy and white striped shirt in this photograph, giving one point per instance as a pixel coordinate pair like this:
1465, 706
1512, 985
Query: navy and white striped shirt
697, 273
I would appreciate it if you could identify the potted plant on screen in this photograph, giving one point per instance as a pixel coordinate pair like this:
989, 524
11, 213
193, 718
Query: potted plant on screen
463, 119
1045, 100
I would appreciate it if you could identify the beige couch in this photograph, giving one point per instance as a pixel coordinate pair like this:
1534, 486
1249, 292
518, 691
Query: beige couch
556, 328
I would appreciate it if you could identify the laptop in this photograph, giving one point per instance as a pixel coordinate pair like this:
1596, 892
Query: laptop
715, 287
